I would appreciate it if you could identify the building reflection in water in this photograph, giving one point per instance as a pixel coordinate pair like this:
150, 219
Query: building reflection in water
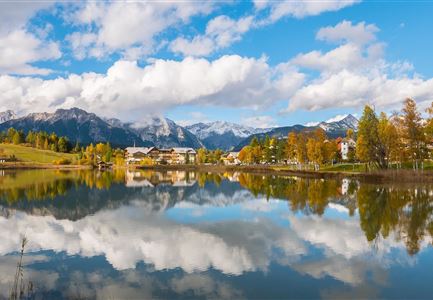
169, 234
151, 179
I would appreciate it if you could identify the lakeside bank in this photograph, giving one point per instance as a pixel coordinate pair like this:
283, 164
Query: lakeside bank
402, 175
36, 166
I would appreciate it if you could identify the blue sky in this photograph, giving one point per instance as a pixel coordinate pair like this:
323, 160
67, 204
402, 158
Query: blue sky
260, 63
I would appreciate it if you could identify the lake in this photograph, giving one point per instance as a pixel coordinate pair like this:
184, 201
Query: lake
132, 234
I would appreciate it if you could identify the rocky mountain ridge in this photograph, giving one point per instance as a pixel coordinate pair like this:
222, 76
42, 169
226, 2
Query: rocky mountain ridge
85, 128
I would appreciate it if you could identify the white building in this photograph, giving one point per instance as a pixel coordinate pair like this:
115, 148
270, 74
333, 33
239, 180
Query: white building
178, 155
136, 154
345, 146
232, 158
183, 155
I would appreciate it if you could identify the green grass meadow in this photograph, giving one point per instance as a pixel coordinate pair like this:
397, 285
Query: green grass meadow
33, 155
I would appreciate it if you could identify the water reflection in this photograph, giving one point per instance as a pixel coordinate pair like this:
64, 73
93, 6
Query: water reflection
134, 234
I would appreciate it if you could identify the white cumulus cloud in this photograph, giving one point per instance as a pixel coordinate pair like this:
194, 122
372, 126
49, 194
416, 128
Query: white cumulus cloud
131, 92
301, 8
345, 31
356, 73
19, 49
128, 27
221, 32
259, 121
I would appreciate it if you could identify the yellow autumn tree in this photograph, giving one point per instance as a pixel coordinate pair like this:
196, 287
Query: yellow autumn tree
388, 137
292, 141
301, 148
413, 133
429, 128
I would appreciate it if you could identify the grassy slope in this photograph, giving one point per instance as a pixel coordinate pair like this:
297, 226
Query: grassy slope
28, 154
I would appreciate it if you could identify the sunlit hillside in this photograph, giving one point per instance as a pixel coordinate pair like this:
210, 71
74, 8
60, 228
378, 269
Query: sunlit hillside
28, 154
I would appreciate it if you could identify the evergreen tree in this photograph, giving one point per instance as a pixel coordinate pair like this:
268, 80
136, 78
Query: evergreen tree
63, 144
254, 142
31, 138
10, 135
16, 139
280, 152
77, 148
267, 155
108, 153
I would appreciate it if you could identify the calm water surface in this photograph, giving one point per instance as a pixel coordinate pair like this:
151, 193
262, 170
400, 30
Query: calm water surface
116, 235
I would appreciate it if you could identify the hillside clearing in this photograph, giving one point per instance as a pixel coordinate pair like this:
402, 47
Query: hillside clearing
33, 155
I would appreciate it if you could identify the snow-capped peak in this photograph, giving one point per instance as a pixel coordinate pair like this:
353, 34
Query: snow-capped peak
159, 126
7, 116
204, 130
340, 123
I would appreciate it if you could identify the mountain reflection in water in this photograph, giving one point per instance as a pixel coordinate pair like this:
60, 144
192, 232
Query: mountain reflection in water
144, 234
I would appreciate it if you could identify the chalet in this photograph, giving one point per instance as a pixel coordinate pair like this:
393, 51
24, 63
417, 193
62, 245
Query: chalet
232, 158
162, 156
183, 155
136, 154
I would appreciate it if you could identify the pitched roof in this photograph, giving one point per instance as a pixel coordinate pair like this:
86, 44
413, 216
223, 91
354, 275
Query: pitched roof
233, 154
183, 150
133, 150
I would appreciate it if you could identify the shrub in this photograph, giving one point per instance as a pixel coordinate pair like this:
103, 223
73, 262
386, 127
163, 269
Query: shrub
147, 162
62, 161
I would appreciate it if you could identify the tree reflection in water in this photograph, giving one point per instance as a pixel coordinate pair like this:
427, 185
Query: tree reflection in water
405, 210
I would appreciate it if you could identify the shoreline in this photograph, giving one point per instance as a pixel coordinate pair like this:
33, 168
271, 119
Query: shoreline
404, 175
382, 175
35, 166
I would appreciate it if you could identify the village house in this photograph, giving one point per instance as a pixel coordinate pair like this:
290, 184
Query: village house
161, 156
345, 146
135, 155
232, 158
178, 155
183, 155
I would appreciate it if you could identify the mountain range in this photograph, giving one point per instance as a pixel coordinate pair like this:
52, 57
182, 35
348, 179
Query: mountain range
222, 135
332, 129
85, 128
7, 115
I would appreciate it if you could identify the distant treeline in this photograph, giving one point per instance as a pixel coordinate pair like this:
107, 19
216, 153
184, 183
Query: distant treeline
303, 147
39, 140
380, 142
405, 136
90, 154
